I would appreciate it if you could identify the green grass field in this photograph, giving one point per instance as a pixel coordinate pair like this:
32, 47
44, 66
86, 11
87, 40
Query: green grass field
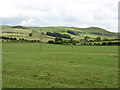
59, 66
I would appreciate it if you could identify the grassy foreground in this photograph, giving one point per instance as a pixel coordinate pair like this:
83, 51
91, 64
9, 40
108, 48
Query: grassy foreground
59, 66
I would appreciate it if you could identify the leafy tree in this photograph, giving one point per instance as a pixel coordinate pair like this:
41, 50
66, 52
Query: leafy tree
50, 41
74, 43
71, 40
86, 38
105, 39
58, 39
104, 44
65, 42
98, 39
30, 34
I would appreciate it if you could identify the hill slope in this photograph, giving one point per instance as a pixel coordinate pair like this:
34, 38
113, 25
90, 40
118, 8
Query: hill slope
74, 32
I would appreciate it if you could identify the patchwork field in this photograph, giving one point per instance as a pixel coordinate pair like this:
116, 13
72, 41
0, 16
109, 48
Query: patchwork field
25, 65
37, 32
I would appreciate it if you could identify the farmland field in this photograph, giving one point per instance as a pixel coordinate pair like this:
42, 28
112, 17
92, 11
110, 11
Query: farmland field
25, 65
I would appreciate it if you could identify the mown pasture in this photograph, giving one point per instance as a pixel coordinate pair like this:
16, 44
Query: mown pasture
26, 65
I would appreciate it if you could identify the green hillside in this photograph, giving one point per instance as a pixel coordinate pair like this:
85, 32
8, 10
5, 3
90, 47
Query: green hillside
78, 33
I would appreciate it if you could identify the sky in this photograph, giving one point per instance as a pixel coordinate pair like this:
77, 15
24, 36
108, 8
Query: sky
72, 13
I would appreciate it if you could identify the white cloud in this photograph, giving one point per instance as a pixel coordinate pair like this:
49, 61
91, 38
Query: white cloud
27, 22
80, 13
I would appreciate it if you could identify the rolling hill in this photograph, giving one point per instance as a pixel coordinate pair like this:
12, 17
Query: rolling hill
74, 32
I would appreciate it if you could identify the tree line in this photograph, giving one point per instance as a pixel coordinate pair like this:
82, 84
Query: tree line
71, 41
19, 27
73, 32
59, 40
12, 39
55, 34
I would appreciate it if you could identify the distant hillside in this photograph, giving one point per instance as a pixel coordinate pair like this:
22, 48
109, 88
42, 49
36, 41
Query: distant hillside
74, 32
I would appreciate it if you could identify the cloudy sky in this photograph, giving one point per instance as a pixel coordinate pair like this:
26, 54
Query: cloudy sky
78, 13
